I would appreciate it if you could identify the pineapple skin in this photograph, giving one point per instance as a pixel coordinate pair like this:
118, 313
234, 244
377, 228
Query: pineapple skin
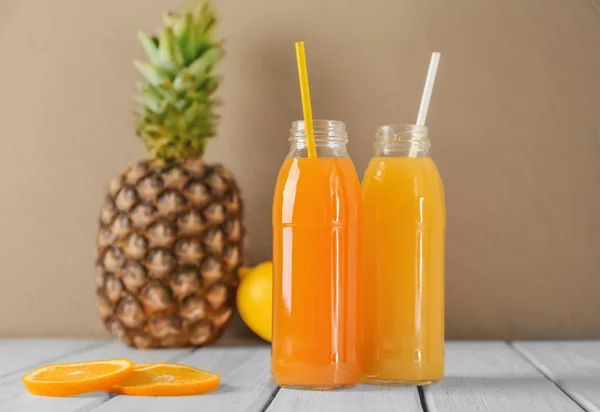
169, 244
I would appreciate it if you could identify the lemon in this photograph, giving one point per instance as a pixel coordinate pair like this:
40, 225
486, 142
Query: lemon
255, 299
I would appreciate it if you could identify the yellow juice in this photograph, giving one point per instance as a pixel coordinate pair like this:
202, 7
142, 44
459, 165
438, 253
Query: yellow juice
403, 271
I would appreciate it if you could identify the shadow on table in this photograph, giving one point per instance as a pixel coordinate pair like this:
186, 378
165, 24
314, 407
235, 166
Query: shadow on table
224, 388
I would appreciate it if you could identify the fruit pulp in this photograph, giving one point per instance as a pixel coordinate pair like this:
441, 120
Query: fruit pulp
316, 252
403, 271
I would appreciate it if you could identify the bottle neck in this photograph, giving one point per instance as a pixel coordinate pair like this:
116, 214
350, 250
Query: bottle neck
330, 139
402, 140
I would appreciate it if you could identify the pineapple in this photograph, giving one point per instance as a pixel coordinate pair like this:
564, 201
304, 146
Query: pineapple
171, 230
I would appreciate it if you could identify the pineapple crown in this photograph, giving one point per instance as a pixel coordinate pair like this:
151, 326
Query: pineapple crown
176, 103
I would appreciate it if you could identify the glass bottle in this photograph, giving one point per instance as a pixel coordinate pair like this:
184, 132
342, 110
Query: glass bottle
403, 260
316, 251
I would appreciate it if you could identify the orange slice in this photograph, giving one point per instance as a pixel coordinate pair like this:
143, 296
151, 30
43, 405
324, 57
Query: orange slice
76, 378
167, 379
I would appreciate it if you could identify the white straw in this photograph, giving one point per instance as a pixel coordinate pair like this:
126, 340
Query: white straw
426, 98
428, 89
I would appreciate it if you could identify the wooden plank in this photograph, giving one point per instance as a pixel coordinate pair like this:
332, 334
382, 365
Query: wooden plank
246, 384
574, 366
14, 397
357, 399
493, 377
22, 354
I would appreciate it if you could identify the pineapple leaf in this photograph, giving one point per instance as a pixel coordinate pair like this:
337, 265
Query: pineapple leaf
190, 5
204, 64
205, 16
187, 39
153, 74
181, 27
150, 47
171, 58
184, 37
170, 19
184, 81
147, 104
194, 112
210, 85
204, 22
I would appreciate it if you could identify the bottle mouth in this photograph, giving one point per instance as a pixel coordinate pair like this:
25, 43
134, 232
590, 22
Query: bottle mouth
323, 130
396, 133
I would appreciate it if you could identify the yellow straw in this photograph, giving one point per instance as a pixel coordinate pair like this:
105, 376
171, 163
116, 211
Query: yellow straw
305, 93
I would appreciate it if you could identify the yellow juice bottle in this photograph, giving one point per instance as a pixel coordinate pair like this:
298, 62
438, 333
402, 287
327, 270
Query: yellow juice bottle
403, 261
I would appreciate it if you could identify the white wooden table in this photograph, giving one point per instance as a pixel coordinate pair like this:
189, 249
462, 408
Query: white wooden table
480, 376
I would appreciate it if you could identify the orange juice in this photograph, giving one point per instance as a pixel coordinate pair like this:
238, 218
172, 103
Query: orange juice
316, 240
403, 268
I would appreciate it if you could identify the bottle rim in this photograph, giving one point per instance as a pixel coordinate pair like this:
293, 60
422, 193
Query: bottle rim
402, 133
324, 131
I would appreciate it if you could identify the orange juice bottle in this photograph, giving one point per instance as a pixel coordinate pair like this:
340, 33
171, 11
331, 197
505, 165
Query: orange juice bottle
403, 261
316, 252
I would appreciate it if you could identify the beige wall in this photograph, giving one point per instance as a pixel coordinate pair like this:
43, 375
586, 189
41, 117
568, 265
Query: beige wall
514, 120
